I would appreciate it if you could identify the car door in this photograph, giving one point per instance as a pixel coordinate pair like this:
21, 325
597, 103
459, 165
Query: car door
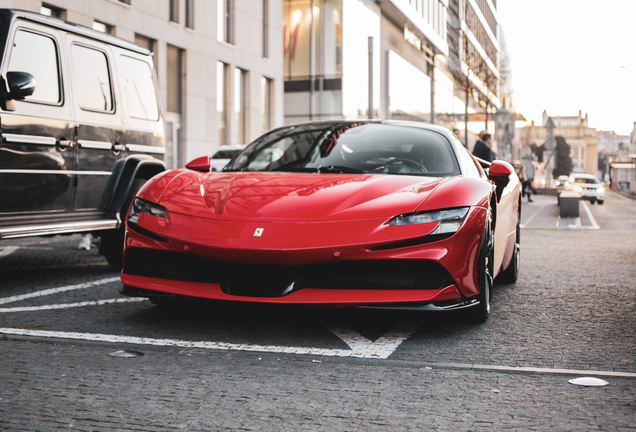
37, 157
100, 131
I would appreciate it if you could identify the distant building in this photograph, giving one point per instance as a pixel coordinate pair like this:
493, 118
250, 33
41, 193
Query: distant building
428, 58
219, 63
581, 138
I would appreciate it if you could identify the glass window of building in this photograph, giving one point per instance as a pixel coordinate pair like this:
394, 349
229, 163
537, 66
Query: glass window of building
240, 106
409, 91
325, 42
267, 98
174, 81
225, 21
222, 86
139, 90
174, 11
189, 14
37, 55
103, 27
355, 69
52, 11
91, 79
149, 44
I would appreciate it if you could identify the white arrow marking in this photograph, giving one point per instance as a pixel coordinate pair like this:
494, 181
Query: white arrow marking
382, 348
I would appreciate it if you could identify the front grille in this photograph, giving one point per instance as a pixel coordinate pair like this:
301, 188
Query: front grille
275, 281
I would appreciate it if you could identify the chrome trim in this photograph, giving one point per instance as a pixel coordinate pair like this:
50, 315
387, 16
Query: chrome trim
62, 228
64, 172
145, 148
29, 139
100, 145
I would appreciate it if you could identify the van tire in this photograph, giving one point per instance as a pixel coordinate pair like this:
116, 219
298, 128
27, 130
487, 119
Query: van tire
112, 244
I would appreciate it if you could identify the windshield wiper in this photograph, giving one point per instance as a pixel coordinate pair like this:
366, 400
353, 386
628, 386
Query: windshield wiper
339, 169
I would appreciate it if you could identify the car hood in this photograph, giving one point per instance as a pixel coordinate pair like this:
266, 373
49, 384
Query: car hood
299, 197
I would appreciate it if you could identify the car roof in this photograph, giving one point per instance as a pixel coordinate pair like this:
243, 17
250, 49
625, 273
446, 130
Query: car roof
13, 14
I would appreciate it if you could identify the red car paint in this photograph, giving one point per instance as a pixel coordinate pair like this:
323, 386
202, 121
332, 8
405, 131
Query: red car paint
309, 218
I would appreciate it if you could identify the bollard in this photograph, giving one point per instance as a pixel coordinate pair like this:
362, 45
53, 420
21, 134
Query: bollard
569, 204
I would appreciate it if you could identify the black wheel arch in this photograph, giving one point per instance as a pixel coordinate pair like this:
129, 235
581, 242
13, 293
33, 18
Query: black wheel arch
125, 172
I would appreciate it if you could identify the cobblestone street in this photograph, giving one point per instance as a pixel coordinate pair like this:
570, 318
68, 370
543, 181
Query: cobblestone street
208, 366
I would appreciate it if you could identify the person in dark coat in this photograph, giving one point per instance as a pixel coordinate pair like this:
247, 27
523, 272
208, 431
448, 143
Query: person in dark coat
483, 148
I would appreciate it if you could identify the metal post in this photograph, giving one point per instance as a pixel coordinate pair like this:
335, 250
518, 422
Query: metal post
486, 125
466, 117
370, 109
433, 93
311, 62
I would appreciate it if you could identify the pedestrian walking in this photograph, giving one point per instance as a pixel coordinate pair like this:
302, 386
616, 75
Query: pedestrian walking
483, 148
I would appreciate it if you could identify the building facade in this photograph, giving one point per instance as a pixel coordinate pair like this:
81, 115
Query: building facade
218, 62
581, 138
422, 60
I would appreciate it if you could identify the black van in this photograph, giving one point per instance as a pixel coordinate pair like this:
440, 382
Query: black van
81, 129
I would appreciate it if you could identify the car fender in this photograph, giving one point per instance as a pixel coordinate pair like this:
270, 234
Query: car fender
121, 180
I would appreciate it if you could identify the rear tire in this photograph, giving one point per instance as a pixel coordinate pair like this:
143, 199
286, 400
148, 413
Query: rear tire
481, 312
511, 274
112, 244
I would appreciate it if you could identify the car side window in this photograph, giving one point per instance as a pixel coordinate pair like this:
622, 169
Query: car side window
139, 89
91, 78
38, 55
468, 163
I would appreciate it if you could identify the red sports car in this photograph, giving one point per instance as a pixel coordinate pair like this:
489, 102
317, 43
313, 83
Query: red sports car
334, 213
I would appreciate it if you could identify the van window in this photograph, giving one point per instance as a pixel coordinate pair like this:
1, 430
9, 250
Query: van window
91, 79
139, 89
37, 54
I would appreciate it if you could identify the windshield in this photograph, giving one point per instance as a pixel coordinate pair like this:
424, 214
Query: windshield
225, 154
372, 148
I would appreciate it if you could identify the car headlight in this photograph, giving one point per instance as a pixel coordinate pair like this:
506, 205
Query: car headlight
578, 188
600, 190
450, 220
142, 206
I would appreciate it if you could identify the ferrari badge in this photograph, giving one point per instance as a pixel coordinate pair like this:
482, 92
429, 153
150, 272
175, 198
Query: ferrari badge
258, 232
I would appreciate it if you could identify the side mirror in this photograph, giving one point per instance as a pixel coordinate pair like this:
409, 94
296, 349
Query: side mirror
500, 169
201, 164
21, 85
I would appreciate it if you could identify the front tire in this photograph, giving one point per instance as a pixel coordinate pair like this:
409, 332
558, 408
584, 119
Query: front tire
485, 265
600, 202
112, 244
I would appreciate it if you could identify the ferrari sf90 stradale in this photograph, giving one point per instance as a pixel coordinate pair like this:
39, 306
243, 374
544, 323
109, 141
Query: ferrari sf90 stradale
336, 213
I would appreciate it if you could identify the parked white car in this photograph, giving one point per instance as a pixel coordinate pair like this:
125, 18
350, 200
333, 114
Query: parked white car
223, 155
588, 186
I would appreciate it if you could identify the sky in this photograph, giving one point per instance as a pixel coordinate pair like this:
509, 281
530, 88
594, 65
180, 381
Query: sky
571, 55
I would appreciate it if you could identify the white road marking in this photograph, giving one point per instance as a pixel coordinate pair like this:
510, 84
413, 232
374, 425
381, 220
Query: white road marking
97, 337
70, 305
8, 250
58, 290
360, 346
382, 347
589, 214
532, 217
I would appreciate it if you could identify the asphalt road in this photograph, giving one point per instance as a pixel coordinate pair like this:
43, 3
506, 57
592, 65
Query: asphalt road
208, 366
